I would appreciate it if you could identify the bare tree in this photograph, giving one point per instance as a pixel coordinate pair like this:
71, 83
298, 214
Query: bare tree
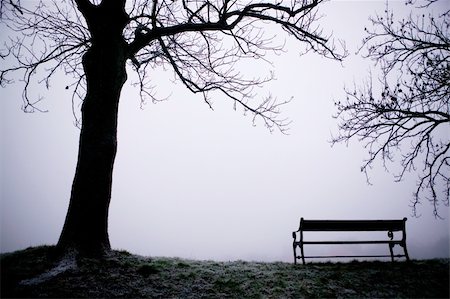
406, 115
92, 41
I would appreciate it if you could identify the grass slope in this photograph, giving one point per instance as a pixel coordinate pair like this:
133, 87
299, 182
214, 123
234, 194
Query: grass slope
124, 275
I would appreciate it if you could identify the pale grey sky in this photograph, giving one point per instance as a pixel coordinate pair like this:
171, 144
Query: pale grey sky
196, 183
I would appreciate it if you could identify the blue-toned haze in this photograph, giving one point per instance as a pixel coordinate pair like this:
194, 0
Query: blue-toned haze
202, 184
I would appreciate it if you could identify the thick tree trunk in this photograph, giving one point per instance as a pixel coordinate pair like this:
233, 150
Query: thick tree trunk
86, 225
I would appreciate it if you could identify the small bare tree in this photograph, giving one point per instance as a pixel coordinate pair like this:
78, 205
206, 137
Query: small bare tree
408, 116
92, 41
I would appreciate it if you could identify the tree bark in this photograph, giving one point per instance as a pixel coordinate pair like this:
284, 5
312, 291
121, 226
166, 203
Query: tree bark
86, 224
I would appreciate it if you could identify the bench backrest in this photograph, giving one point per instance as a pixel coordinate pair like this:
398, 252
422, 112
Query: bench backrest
352, 225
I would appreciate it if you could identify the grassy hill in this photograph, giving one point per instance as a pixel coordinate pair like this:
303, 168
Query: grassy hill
32, 273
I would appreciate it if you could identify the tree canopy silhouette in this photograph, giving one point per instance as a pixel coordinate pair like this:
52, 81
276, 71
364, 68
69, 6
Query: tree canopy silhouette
95, 42
406, 115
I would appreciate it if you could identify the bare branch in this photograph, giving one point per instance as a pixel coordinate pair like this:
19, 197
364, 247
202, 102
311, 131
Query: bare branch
203, 41
409, 118
48, 39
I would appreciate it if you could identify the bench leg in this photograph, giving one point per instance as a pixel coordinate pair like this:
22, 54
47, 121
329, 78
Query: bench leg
406, 252
303, 254
295, 253
391, 246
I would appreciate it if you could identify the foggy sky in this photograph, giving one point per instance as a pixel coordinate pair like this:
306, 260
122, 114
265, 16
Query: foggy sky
195, 183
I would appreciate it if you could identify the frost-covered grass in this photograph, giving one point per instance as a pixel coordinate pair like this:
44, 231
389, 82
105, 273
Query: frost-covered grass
125, 275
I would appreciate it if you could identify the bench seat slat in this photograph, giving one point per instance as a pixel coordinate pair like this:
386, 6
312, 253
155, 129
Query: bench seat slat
349, 256
352, 225
353, 242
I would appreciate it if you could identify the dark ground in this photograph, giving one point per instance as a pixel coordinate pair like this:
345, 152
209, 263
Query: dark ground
33, 273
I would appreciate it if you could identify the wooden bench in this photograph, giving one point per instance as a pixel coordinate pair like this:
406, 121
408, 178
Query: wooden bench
390, 226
